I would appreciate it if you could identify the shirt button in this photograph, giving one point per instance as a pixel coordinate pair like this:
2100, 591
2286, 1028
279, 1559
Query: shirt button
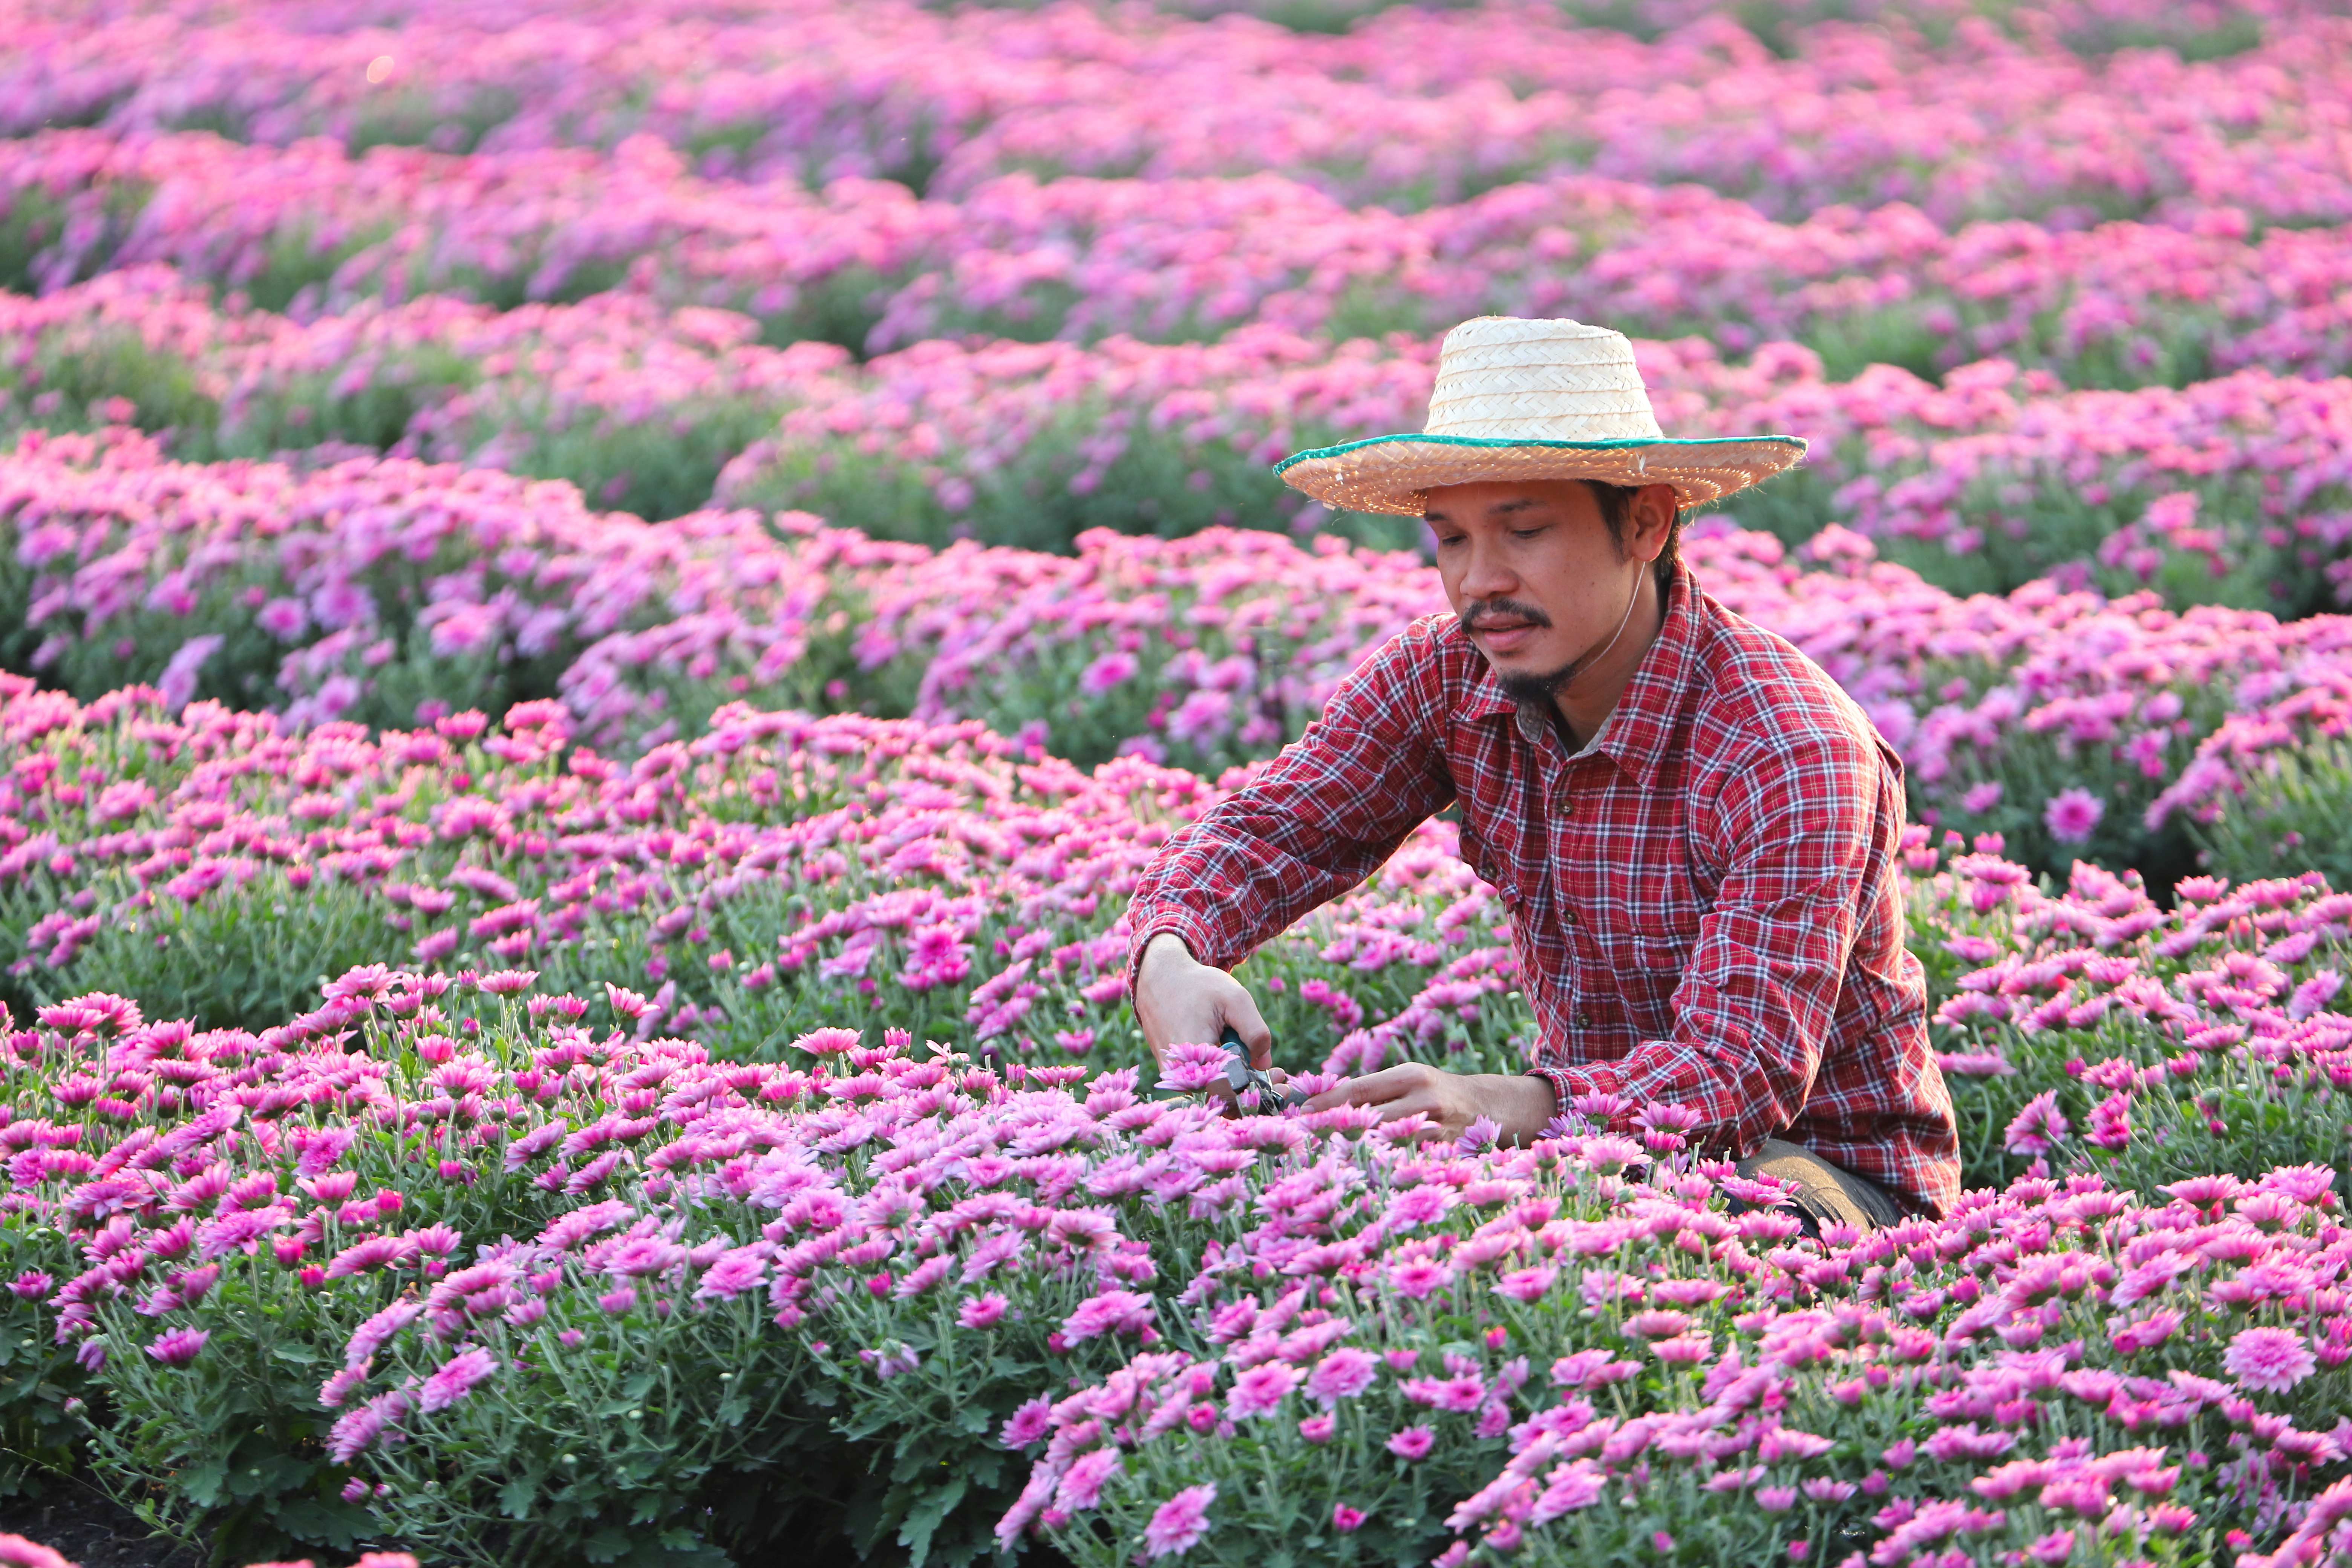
1584, 1020
1569, 915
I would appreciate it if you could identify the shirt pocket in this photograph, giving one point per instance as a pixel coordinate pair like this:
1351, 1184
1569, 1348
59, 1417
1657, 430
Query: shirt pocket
1650, 965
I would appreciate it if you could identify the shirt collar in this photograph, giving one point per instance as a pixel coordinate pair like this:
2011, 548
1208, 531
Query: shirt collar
1483, 697
1635, 734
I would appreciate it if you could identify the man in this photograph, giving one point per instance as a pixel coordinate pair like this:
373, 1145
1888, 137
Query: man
1693, 830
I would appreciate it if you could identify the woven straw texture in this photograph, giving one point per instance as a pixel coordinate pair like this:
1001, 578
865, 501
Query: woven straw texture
1534, 399
1539, 381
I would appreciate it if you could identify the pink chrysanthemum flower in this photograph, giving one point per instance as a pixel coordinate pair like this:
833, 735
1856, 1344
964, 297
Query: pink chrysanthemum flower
1107, 672
2071, 815
1261, 1389
1417, 1280
1028, 1423
355, 1429
980, 1311
179, 1347
1177, 1524
2038, 1128
1344, 1374
378, 1331
734, 1271
342, 1385
455, 1379
1410, 1443
1110, 1313
1465, 1393
16, 1552
2269, 1360
1082, 1484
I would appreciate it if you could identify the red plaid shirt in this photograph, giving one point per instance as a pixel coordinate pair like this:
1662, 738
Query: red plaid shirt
1705, 901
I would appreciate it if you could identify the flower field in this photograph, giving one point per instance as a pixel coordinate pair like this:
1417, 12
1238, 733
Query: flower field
600, 610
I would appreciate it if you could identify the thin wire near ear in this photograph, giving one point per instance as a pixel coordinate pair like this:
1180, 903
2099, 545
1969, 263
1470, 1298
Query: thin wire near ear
1590, 660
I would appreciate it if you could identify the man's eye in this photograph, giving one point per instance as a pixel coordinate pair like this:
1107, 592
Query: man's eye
1525, 532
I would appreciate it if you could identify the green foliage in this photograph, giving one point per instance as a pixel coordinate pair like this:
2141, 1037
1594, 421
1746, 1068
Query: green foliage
259, 950
39, 1438
615, 1452
418, 117
2291, 816
227, 1448
1157, 485
107, 374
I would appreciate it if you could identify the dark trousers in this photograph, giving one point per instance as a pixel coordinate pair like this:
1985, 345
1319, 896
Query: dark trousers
1825, 1194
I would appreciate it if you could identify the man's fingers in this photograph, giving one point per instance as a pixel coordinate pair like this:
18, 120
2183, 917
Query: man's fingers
1178, 999
1386, 1087
1345, 1092
1241, 1012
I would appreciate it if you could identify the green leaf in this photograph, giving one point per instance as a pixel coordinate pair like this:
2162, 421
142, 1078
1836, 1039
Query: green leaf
924, 1518
202, 1481
515, 1497
327, 1523
606, 1545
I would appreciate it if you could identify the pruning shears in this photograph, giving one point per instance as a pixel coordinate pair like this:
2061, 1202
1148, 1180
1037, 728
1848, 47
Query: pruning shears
1241, 1077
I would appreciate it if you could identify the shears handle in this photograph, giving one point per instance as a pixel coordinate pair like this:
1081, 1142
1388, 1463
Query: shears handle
1242, 1076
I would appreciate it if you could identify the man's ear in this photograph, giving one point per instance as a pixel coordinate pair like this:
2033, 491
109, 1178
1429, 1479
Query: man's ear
1650, 520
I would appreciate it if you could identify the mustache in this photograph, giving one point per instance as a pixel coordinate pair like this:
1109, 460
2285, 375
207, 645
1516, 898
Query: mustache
1482, 611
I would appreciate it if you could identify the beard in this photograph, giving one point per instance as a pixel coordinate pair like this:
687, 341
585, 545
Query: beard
1535, 691
1528, 690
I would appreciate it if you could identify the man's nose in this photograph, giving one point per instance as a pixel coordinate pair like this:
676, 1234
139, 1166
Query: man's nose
1487, 576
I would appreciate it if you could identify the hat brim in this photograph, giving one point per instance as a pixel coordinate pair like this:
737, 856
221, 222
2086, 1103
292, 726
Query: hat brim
1390, 473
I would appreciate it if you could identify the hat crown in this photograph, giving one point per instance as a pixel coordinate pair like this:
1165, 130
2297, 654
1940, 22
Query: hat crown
1508, 378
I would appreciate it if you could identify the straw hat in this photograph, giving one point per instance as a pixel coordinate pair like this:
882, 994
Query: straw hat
1533, 400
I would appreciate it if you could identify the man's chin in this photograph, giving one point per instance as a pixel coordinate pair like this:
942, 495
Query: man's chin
1531, 687
1529, 660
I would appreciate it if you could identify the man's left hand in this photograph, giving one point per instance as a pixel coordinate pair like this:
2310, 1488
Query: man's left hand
1521, 1106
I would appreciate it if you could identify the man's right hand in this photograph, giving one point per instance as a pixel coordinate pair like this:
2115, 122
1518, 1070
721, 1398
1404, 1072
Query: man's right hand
1177, 997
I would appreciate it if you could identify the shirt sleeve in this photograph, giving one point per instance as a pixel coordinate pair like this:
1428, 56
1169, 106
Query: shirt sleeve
1316, 822
1804, 835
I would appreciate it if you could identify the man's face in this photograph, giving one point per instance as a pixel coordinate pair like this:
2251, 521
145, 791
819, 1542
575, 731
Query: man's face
1533, 574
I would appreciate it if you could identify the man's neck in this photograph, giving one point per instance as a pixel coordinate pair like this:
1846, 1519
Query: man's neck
1580, 711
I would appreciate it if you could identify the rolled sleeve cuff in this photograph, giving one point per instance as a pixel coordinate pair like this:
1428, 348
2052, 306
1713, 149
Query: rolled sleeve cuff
1564, 1084
1200, 935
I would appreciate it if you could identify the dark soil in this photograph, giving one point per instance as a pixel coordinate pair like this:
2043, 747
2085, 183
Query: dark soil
76, 1519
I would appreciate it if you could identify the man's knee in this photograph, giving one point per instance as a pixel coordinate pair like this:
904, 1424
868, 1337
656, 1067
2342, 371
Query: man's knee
1825, 1193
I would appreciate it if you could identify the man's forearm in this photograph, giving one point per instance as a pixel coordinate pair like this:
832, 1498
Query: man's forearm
1318, 819
1519, 1105
1524, 1105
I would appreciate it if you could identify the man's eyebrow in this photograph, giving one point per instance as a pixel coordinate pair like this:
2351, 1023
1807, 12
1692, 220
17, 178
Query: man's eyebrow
1500, 508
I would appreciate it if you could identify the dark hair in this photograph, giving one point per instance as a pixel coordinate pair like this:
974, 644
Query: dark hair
1616, 503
